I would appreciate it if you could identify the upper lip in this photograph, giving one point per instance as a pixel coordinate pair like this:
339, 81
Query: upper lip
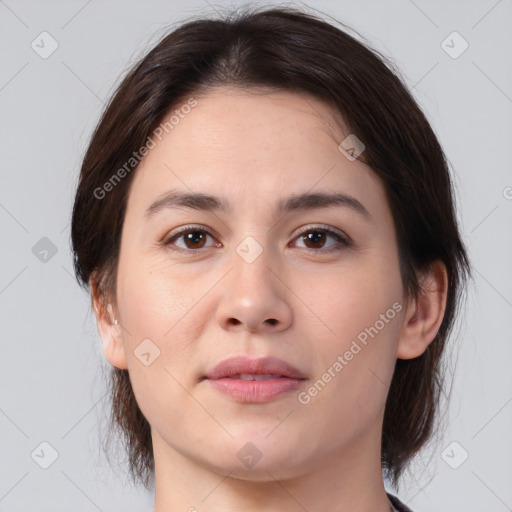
243, 365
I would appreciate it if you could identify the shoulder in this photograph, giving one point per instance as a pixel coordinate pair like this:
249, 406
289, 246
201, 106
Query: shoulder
400, 507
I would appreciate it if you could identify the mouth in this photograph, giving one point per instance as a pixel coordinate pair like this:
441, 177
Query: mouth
254, 380
246, 368
257, 376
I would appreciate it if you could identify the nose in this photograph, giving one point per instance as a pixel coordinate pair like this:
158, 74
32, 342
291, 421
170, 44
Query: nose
255, 297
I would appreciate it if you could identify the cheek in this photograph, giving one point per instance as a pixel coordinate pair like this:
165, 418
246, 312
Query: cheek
156, 308
357, 298
149, 299
361, 311
164, 305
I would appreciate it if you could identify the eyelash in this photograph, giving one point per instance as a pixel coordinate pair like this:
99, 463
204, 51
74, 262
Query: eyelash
344, 241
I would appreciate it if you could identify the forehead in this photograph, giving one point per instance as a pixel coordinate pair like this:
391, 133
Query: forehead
251, 147
281, 117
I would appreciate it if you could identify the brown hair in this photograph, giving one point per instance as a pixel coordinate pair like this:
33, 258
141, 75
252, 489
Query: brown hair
284, 49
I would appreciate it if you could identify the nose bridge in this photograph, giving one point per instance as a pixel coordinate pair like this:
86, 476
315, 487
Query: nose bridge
254, 296
253, 260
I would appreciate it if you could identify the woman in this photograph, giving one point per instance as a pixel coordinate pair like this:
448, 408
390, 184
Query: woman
265, 221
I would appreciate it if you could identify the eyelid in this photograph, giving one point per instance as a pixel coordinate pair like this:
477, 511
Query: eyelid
184, 229
345, 239
321, 227
189, 227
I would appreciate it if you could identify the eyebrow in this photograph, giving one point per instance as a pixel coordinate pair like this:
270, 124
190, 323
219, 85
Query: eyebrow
175, 199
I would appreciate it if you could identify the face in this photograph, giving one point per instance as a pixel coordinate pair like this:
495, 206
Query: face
314, 285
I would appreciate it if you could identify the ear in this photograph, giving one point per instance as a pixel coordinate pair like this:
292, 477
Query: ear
425, 314
109, 331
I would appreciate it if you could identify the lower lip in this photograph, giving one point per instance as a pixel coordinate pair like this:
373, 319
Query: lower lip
255, 391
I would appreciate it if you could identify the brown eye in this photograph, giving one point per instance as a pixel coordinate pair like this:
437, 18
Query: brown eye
194, 239
314, 240
191, 238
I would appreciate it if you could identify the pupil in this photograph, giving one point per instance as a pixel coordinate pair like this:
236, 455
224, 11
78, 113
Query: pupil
315, 236
192, 238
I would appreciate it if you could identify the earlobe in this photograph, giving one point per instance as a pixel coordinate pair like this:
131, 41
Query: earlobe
425, 314
108, 328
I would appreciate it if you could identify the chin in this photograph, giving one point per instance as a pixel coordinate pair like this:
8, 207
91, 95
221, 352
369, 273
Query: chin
257, 457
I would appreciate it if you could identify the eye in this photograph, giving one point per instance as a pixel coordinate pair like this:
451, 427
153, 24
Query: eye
315, 236
194, 238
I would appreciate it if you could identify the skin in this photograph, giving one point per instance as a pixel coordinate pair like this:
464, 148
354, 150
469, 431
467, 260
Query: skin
252, 150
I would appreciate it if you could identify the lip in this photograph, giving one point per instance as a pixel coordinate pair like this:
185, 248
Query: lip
222, 378
240, 364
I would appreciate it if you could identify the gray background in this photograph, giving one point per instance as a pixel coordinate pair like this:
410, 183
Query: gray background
52, 389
